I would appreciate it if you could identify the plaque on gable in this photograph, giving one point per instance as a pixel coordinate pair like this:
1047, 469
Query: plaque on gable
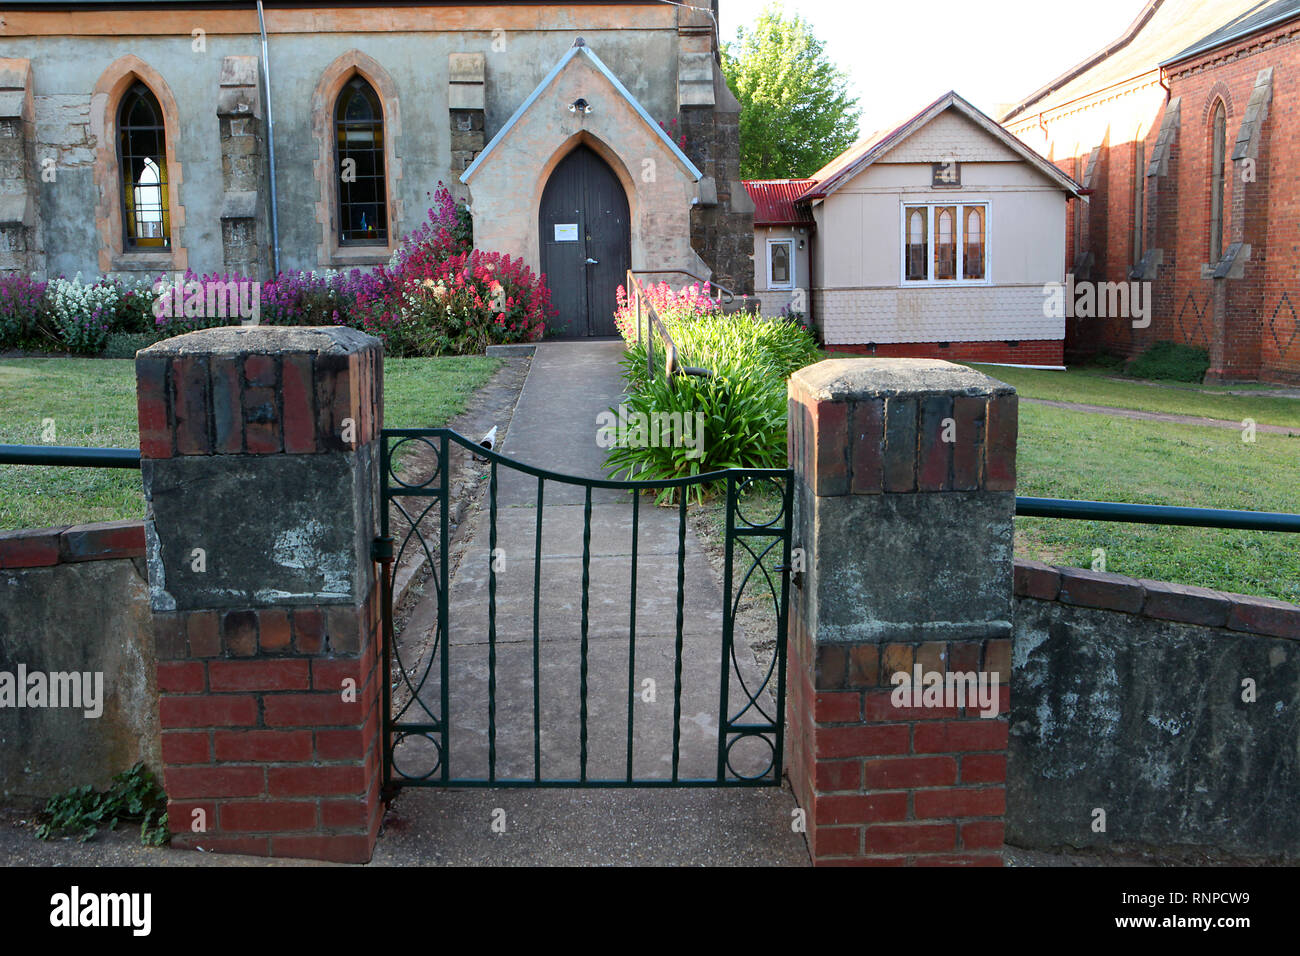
946, 174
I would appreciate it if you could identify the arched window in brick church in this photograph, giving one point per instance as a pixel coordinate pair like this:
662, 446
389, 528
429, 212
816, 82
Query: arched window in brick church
142, 159
1218, 155
359, 133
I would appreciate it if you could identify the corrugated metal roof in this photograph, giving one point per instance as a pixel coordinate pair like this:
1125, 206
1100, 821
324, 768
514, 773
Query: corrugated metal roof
774, 201
1271, 15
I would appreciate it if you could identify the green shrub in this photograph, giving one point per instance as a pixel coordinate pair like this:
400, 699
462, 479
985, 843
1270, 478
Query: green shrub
134, 795
742, 404
1172, 362
82, 313
742, 418
124, 345
135, 307
1109, 360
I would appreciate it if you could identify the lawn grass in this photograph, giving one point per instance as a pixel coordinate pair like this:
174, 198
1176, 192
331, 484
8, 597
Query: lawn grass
1068, 454
1094, 386
1083, 455
92, 404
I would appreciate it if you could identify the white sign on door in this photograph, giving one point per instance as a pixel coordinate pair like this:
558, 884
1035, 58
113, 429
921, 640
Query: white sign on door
566, 232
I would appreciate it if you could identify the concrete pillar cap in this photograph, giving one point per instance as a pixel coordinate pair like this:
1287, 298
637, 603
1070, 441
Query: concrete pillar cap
263, 339
849, 379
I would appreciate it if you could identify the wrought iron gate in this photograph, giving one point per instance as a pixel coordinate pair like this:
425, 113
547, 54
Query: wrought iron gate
428, 678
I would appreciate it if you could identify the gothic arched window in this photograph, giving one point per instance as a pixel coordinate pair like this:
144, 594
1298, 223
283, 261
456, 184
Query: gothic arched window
142, 159
359, 134
1218, 154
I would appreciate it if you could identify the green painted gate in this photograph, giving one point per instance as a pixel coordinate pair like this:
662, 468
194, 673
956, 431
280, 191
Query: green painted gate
421, 710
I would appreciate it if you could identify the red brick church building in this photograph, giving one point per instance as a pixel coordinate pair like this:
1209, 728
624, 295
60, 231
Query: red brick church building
1183, 132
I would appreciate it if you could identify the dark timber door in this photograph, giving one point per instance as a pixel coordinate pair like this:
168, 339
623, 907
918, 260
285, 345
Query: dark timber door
586, 243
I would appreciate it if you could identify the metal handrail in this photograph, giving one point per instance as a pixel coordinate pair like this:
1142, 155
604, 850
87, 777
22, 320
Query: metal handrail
655, 324
722, 290
69, 456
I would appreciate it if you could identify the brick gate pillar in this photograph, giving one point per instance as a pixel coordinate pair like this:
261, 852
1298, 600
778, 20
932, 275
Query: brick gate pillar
905, 483
260, 461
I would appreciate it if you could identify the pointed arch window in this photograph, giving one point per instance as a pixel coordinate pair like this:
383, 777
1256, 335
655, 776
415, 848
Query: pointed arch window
1218, 154
973, 237
917, 243
142, 159
362, 189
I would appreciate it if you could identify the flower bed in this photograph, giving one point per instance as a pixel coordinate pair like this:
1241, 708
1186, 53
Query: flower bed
436, 296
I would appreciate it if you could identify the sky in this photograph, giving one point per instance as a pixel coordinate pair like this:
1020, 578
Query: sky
901, 56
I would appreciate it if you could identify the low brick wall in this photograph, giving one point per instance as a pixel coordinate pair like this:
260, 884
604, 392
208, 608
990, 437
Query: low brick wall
1134, 698
74, 600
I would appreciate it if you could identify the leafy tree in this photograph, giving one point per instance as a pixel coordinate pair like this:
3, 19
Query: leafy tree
796, 112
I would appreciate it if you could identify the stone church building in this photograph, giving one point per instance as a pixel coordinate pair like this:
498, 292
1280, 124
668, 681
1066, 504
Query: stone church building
1181, 130
151, 137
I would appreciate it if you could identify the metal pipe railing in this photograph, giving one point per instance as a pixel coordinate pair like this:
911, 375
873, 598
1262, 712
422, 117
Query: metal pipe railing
655, 324
1156, 514
721, 290
69, 456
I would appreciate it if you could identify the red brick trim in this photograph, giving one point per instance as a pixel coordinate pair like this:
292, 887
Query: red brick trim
46, 547
892, 786
1028, 352
1159, 600
903, 445
263, 734
290, 402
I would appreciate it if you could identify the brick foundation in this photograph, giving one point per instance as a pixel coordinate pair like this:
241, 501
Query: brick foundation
260, 445
922, 454
1036, 352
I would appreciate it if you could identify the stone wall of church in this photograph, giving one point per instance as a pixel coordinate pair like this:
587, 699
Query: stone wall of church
449, 79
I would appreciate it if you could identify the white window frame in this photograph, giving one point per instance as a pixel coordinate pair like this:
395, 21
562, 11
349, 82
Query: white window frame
789, 242
931, 206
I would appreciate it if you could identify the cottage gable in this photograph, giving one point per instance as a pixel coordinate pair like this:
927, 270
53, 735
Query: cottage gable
951, 135
960, 126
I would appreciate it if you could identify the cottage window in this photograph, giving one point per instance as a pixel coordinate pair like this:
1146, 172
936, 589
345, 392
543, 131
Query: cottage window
1218, 153
917, 242
973, 240
780, 263
958, 236
945, 243
362, 193
142, 159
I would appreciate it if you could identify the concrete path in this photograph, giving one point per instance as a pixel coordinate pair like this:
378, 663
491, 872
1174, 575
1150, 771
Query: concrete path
554, 428
1159, 416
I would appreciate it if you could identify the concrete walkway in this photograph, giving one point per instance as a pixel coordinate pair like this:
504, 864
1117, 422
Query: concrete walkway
554, 428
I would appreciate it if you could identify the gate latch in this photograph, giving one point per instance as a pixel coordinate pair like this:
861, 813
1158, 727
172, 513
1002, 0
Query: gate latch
381, 549
796, 576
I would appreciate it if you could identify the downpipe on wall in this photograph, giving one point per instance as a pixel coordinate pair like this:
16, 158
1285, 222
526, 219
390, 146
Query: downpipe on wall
270, 141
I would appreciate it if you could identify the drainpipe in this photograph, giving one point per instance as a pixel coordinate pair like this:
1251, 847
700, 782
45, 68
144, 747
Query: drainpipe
270, 141
812, 263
